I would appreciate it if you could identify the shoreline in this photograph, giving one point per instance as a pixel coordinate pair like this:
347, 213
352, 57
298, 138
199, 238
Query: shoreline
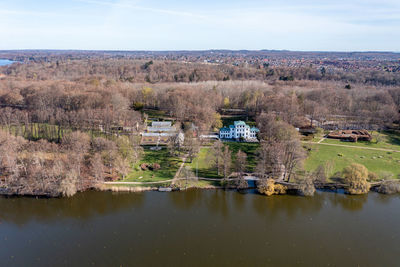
328, 187
292, 188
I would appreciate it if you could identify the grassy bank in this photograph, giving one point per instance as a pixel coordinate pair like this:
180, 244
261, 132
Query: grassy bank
249, 148
206, 168
202, 166
380, 162
169, 166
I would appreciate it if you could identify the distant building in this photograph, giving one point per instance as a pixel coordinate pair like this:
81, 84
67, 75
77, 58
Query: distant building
161, 124
239, 130
209, 136
351, 135
159, 133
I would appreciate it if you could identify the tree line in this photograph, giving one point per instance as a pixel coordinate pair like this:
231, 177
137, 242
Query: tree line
68, 125
157, 71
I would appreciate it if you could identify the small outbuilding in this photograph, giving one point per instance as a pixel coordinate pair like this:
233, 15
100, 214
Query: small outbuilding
351, 135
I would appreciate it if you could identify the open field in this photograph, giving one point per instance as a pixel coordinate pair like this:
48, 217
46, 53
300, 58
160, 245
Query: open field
379, 162
249, 148
169, 166
205, 168
371, 154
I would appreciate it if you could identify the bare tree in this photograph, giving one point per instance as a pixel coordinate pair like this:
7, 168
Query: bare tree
78, 144
281, 154
216, 155
97, 167
241, 164
192, 147
227, 161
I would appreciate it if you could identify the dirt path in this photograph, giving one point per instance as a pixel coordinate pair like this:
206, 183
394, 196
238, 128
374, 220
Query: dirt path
349, 146
179, 170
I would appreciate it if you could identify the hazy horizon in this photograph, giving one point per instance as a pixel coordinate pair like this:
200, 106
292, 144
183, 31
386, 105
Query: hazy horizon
199, 50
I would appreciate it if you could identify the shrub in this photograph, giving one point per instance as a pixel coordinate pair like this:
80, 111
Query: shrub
144, 166
156, 166
137, 105
306, 190
389, 187
306, 182
372, 176
269, 187
356, 176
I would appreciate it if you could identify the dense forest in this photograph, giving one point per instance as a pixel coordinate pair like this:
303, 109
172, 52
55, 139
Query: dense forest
157, 71
63, 120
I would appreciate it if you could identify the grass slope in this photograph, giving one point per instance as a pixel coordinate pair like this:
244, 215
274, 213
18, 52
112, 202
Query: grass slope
389, 140
206, 168
169, 166
379, 162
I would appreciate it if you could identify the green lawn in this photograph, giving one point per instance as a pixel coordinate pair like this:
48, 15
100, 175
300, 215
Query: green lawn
197, 184
249, 148
169, 166
205, 168
376, 161
154, 113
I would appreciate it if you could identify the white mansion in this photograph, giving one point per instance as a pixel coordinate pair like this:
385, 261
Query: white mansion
240, 130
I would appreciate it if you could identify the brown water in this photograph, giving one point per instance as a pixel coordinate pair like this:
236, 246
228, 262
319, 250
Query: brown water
200, 228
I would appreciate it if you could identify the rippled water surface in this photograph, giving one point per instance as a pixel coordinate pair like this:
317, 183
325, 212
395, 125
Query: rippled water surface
198, 228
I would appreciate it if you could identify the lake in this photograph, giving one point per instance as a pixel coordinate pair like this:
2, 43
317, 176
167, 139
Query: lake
4, 62
200, 228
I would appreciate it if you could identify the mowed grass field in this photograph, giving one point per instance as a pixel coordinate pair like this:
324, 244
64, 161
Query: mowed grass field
205, 165
379, 162
169, 166
249, 148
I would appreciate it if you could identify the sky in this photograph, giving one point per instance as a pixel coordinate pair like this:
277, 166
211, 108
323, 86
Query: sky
300, 25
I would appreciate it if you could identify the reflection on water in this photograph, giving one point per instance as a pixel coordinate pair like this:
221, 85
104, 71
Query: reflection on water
185, 201
198, 228
290, 206
351, 203
82, 206
90, 204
